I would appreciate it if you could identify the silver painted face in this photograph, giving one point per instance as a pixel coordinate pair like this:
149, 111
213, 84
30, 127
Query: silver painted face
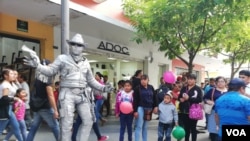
76, 49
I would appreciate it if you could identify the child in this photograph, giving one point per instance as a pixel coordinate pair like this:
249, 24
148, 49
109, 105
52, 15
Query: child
167, 113
126, 120
19, 110
120, 86
176, 92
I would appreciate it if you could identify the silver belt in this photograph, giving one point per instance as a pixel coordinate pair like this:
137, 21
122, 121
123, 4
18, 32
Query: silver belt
77, 90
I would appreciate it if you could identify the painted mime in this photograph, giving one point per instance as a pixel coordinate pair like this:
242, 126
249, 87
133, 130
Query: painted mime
76, 74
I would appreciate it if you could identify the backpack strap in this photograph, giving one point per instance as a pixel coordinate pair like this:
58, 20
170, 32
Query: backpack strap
212, 96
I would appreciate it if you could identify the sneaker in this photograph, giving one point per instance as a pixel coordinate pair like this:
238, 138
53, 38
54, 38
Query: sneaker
5, 131
103, 138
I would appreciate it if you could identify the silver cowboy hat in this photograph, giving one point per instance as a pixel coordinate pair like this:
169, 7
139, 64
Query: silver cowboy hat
77, 40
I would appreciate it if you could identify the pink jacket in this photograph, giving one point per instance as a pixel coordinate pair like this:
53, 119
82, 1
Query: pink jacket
123, 96
19, 109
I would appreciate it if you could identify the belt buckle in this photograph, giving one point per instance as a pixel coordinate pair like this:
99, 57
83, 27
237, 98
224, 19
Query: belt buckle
77, 90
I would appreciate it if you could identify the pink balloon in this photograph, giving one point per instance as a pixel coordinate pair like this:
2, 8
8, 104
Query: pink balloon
126, 107
169, 77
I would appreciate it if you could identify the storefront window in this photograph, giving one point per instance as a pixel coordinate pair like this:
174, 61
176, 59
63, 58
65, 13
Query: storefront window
11, 55
116, 68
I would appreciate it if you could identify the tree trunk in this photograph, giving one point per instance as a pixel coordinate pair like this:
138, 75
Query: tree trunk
232, 68
190, 68
232, 71
235, 70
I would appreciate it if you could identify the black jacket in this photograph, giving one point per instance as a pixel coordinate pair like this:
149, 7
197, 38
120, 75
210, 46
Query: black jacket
184, 106
5, 102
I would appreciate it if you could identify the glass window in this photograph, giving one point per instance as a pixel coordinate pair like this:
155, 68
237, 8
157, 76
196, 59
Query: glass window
11, 54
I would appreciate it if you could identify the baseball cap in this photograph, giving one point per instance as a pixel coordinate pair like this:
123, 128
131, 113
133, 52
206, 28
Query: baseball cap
245, 72
237, 82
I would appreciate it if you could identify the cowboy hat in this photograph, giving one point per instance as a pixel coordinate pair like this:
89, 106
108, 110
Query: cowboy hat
77, 40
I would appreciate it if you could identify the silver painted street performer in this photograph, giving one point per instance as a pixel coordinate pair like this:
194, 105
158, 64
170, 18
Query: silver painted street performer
76, 74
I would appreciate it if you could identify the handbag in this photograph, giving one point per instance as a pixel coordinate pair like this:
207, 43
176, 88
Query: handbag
195, 111
147, 114
208, 107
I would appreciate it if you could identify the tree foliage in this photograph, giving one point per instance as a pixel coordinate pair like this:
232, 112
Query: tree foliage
183, 25
235, 42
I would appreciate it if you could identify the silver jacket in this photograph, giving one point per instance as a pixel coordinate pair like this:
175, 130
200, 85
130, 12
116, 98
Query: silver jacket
73, 75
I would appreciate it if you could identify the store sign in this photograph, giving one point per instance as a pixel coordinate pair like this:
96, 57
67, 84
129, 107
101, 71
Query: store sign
113, 48
22, 25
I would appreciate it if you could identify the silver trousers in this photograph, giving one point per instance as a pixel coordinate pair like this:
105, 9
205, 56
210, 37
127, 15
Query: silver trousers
69, 99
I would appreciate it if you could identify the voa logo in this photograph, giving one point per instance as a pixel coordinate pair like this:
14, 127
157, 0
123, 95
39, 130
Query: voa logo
236, 132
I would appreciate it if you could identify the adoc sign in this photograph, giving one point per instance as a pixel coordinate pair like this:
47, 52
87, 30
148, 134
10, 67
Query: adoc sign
113, 48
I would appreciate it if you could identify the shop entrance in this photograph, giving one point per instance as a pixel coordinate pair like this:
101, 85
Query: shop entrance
11, 54
115, 68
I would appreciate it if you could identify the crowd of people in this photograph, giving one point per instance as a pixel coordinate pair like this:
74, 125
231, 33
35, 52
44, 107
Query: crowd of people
172, 102
74, 105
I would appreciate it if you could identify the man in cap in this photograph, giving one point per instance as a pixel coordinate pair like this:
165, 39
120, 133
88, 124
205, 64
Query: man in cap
245, 76
232, 108
76, 74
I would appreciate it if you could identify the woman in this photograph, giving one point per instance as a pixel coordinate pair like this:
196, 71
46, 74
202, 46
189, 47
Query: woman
7, 93
210, 98
99, 99
189, 94
136, 79
144, 103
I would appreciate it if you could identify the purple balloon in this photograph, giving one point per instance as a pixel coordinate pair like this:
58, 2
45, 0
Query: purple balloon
169, 77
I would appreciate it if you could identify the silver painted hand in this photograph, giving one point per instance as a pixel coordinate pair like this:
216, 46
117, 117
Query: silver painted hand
33, 60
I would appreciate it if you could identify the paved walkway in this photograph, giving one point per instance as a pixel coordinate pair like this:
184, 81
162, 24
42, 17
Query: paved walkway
111, 128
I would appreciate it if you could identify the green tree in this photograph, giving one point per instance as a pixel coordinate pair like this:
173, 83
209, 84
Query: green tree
182, 25
234, 43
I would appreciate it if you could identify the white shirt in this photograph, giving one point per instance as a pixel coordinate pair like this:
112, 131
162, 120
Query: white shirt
7, 85
247, 89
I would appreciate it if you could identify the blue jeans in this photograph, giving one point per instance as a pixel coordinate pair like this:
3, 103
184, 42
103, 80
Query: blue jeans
22, 128
76, 126
3, 124
47, 116
141, 126
96, 130
98, 105
164, 129
27, 118
126, 121
78, 122
13, 123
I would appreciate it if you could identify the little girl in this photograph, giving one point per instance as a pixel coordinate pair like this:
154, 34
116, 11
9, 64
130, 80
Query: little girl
126, 120
19, 110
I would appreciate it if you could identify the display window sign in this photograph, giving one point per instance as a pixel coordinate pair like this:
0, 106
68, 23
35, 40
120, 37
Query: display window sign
107, 46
